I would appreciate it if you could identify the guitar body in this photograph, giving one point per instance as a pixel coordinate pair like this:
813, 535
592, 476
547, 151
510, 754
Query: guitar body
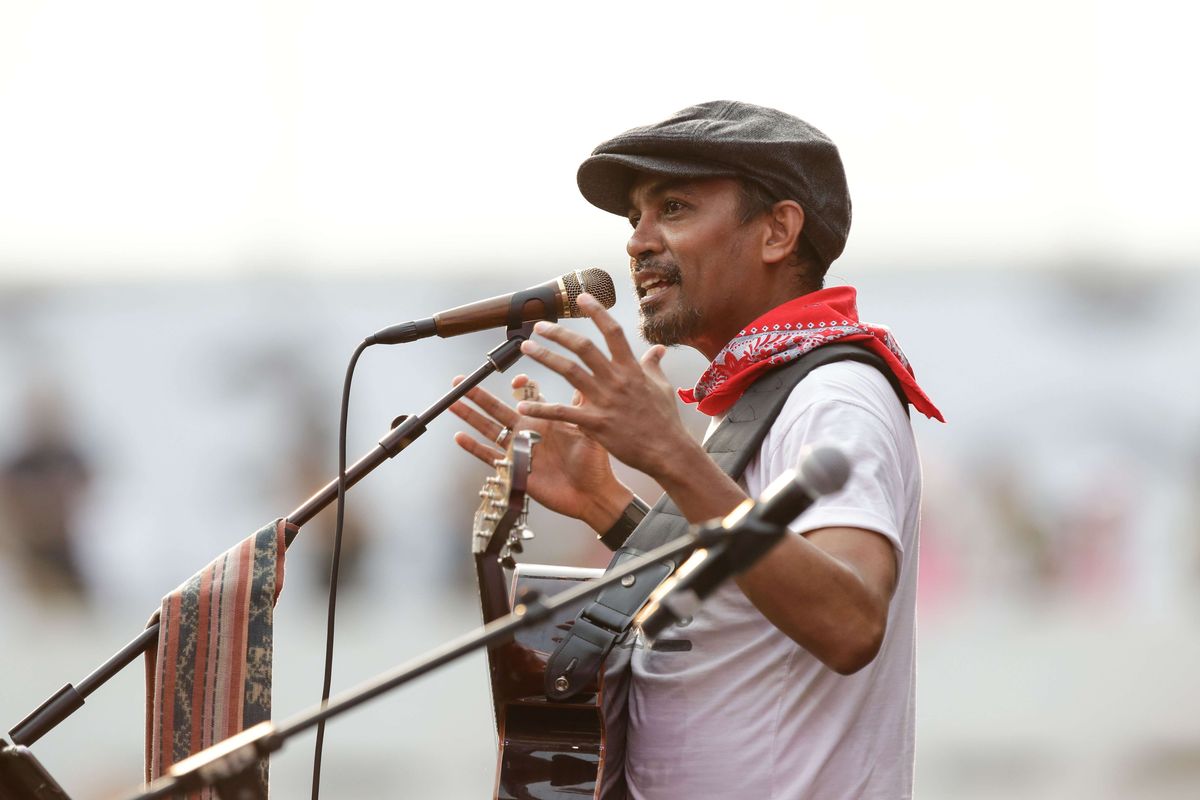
551, 749
547, 750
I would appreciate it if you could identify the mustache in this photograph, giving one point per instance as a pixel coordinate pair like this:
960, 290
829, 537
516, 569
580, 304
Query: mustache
669, 270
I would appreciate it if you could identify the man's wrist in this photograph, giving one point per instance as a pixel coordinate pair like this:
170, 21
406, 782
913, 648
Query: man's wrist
630, 518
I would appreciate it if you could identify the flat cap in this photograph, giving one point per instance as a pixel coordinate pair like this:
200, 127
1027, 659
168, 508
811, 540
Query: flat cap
788, 157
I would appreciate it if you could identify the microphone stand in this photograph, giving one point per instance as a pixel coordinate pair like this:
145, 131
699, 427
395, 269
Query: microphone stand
228, 766
405, 430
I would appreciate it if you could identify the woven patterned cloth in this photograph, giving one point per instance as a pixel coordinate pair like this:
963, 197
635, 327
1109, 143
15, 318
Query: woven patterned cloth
210, 676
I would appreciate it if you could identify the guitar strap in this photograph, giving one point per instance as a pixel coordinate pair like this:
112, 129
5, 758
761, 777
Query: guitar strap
605, 620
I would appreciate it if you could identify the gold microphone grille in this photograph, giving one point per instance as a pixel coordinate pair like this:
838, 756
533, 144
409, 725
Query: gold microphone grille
594, 281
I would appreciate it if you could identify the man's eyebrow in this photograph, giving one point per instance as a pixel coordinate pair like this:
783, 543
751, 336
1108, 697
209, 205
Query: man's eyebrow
660, 187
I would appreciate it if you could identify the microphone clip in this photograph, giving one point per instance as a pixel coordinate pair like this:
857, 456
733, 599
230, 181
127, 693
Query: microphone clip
722, 551
521, 324
748, 541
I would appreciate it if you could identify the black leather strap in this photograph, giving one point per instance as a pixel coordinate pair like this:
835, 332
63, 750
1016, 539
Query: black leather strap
630, 518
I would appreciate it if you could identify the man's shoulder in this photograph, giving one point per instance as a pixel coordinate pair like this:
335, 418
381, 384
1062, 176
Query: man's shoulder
846, 382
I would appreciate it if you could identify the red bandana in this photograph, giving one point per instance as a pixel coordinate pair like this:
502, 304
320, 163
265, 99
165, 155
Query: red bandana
789, 331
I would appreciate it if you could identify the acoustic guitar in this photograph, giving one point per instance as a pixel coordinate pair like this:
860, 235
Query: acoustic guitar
547, 750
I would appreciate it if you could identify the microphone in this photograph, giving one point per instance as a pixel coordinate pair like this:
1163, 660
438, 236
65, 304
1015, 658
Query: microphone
741, 538
549, 301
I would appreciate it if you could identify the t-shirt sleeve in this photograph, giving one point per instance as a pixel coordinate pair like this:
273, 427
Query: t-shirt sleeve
873, 497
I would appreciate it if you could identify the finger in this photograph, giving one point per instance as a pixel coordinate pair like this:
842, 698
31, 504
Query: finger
576, 415
652, 360
486, 426
592, 356
610, 329
491, 404
525, 388
570, 369
483, 452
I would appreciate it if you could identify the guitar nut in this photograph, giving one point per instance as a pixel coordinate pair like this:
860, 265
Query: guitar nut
561, 684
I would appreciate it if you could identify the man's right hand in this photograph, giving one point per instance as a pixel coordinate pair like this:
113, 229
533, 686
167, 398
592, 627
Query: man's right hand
572, 474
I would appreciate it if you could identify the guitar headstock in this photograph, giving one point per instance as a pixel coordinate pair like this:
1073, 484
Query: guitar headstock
500, 527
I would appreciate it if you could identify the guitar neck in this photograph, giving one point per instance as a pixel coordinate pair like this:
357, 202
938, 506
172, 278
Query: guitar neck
499, 524
493, 587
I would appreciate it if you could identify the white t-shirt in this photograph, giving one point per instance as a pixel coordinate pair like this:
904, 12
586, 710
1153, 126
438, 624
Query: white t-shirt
743, 711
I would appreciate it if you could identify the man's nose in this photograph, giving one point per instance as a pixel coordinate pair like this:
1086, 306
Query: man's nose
644, 240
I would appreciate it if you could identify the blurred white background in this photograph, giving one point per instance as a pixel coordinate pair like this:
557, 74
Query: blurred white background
203, 210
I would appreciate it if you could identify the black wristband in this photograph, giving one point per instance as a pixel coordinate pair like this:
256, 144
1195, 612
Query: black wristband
630, 518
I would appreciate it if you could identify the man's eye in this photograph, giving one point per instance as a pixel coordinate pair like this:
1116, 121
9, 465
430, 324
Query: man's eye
633, 222
671, 206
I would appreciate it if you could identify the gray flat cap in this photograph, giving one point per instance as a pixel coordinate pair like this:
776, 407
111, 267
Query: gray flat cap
791, 159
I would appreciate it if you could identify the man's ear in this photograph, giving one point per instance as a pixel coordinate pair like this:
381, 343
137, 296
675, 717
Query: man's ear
785, 221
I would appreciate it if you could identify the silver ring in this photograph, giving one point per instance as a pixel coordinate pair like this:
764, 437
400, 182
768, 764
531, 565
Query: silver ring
503, 434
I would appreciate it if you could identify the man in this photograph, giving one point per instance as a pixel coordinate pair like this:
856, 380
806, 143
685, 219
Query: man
797, 680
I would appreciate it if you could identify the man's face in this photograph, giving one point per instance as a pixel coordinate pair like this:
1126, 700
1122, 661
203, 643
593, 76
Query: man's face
689, 254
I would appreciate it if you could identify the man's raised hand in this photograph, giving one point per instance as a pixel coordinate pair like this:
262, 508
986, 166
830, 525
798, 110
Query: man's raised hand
628, 405
571, 475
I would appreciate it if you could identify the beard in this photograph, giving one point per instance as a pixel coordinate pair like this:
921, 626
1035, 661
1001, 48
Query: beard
668, 325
